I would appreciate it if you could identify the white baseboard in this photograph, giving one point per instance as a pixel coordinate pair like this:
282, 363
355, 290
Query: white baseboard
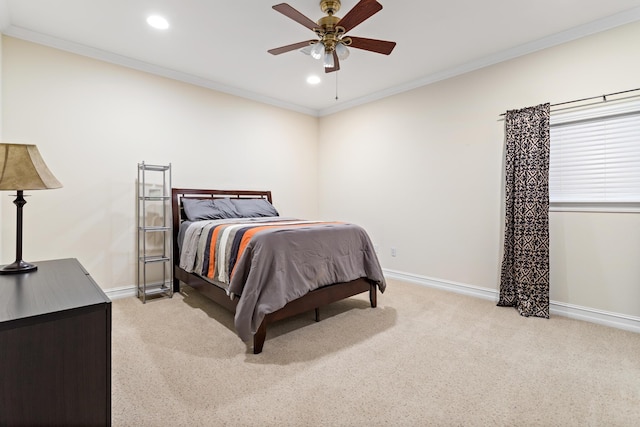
601, 317
121, 292
593, 315
459, 288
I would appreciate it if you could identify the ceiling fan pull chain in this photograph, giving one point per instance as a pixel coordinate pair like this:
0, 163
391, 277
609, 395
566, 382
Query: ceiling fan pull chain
336, 85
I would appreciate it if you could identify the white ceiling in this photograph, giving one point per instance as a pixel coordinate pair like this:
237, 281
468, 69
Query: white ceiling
223, 44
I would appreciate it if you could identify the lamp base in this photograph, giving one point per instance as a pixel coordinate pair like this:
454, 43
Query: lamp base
18, 267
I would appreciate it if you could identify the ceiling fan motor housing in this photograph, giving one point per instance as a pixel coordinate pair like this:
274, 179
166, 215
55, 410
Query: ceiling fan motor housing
329, 33
330, 6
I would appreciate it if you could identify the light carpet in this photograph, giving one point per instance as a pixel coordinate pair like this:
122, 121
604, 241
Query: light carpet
422, 357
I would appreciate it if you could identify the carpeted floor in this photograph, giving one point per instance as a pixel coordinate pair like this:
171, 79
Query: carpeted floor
423, 357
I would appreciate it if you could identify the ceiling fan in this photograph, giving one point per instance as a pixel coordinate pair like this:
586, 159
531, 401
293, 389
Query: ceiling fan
332, 44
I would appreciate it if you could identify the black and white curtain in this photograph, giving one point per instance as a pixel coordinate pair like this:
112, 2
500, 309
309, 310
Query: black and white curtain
524, 281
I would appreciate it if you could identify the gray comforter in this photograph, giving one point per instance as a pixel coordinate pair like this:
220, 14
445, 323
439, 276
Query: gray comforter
283, 263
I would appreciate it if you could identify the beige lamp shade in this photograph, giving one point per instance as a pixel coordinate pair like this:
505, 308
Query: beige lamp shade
22, 168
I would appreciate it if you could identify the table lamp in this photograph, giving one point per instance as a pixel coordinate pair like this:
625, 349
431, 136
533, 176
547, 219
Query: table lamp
22, 168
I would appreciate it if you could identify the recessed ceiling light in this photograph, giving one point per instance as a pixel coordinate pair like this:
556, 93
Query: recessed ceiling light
313, 80
157, 21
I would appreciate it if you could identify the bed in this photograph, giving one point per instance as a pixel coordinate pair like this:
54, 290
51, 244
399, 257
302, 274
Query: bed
275, 267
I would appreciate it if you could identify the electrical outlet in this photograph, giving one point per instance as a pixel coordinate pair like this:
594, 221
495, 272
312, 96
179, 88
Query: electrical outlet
393, 252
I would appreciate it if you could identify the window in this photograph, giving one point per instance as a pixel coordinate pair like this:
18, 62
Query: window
595, 157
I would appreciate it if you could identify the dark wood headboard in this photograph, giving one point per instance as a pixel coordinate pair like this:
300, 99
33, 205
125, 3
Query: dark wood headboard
177, 194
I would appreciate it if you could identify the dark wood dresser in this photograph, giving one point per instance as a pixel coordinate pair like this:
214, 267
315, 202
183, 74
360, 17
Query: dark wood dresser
55, 347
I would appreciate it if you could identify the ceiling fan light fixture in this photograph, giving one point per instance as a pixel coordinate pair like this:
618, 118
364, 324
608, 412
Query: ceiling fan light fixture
342, 51
328, 60
317, 50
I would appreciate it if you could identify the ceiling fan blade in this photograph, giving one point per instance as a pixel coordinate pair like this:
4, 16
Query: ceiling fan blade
336, 64
290, 47
373, 45
290, 12
361, 11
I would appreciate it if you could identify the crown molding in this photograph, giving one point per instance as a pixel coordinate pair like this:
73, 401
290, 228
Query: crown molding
102, 55
581, 31
575, 33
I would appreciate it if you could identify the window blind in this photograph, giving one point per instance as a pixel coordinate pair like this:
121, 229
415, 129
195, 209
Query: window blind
595, 154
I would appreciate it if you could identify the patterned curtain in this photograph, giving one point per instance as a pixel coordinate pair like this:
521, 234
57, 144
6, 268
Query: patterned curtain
524, 281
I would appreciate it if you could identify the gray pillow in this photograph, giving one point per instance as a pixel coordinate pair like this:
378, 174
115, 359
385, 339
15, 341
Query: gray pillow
198, 210
252, 208
226, 208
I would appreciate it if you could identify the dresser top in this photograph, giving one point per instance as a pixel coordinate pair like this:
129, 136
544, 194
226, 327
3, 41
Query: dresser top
56, 286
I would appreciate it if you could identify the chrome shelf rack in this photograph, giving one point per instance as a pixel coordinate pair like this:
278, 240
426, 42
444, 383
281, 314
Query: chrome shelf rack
155, 232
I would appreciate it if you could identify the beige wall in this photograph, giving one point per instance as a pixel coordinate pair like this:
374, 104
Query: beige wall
93, 122
423, 171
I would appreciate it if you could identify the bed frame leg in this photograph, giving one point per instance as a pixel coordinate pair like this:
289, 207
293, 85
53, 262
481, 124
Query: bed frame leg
317, 314
259, 337
373, 296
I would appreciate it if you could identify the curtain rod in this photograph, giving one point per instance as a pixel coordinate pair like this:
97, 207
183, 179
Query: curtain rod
604, 98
